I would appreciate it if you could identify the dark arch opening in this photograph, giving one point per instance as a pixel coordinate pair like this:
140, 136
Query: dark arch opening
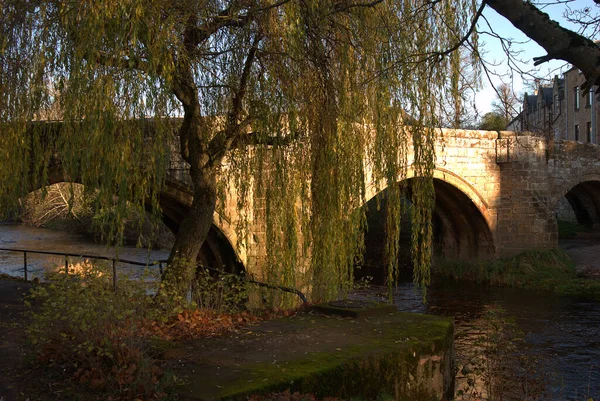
216, 252
459, 229
582, 215
577, 216
69, 206
580, 205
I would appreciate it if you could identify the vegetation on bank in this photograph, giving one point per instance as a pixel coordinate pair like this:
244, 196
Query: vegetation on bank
4, 276
91, 342
70, 207
567, 229
88, 341
540, 270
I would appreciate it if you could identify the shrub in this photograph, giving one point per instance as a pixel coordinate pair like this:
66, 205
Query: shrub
542, 270
567, 229
89, 334
219, 292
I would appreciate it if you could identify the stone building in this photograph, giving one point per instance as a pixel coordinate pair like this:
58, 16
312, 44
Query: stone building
561, 111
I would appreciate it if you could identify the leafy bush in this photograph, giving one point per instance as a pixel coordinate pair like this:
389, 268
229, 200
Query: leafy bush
566, 229
100, 343
89, 334
219, 292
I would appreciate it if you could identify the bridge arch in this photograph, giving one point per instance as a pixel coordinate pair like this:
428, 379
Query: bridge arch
578, 200
461, 224
455, 180
220, 248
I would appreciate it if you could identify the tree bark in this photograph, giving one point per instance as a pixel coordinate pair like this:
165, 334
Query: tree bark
192, 233
559, 42
196, 224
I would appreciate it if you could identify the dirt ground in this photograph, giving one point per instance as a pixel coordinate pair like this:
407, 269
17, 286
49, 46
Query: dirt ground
585, 252
12, 336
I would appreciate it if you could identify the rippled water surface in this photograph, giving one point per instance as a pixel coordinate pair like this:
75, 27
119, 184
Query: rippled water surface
24, 237
559, 355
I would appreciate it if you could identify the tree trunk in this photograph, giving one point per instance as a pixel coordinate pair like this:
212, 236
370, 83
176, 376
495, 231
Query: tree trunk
194, 228
192, 233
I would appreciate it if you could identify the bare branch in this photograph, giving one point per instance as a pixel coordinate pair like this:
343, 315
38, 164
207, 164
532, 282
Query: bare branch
194, 34
127, 63
559, 42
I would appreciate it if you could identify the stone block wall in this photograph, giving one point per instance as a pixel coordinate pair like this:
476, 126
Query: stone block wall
513, 181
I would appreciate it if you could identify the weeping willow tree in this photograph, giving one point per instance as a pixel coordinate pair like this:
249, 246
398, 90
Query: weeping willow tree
302, 100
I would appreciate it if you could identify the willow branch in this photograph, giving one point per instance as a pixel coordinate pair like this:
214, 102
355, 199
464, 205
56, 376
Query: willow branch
123, 63
341, 7
221, 142
465, 36
258, 139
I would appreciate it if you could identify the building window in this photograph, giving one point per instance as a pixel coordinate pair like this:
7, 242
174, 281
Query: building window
588, 131
556, 105
590, 97
576, 97
576, 132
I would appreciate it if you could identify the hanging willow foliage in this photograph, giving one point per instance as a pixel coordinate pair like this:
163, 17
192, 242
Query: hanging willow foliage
303, 101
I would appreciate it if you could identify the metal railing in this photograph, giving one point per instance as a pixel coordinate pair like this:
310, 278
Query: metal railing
265, 285
82, 256
160, 264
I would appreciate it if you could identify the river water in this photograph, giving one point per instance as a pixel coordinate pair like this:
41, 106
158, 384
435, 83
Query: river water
529, 346
18, 236
556, 340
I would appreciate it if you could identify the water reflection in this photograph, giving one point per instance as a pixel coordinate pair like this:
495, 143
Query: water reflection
558, 357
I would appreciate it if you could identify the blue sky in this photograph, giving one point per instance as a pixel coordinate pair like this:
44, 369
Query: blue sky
495, 53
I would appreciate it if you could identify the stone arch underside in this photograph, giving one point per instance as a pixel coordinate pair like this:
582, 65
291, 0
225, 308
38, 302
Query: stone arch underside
460, 231
217, 251
581, 203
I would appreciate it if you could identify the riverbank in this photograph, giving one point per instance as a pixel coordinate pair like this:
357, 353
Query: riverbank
561, 343
389, 355
539, 270
584, 250
13, 347
19, 236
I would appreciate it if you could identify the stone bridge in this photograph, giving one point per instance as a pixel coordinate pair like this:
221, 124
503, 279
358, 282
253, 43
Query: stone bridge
497, 194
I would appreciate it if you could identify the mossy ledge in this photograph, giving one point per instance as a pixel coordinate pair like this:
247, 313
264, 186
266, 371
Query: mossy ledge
354, 308
405, 355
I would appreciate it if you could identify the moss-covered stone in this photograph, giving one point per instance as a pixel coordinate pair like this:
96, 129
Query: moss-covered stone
409, 356
354, 308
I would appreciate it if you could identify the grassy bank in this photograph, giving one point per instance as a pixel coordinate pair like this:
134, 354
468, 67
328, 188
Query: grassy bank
540, 270
567, 229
